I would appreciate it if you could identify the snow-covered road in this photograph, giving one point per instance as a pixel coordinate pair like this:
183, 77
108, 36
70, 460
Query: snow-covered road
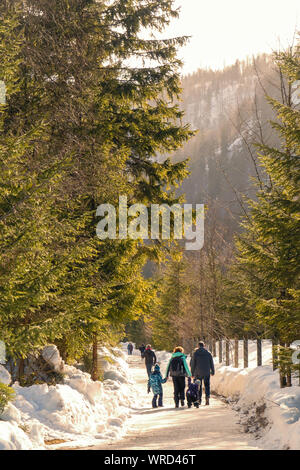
209, 427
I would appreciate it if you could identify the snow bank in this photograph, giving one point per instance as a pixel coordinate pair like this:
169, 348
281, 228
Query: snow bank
79, 412
256, 394
12, 437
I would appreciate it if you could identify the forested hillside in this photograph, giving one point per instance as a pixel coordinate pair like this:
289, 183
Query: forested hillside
230, 112
244, 165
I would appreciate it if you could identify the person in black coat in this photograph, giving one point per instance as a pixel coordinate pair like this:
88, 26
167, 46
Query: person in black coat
150, 359
130, 348
202, 367
142, 349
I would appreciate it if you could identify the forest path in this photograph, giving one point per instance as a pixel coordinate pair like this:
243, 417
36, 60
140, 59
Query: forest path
168, 428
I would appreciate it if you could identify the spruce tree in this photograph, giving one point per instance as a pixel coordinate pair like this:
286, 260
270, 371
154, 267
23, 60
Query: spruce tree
268, 252
88, 129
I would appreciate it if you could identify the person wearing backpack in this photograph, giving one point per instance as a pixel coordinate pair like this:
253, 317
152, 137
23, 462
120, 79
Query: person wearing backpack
178, 370
202, 366
150, 359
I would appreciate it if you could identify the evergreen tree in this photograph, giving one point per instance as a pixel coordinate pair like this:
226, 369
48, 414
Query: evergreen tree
166, 322
80, 128
268, 253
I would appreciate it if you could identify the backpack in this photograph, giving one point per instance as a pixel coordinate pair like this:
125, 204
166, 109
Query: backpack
177, 367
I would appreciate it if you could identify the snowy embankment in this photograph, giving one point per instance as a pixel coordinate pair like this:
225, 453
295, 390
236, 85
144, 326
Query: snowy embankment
256, 395
78, 412
273, 414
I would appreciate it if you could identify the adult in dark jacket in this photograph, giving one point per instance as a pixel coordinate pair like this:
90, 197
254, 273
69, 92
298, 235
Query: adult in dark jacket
142, 350
202, 367
150, 359
178, 370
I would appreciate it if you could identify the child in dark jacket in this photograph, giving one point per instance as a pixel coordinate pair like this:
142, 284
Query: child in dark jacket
155, 384
192, 393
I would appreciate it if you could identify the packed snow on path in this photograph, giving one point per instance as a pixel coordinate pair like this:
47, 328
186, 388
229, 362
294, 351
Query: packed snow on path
79, 412
269, 415
117, 413
209, 427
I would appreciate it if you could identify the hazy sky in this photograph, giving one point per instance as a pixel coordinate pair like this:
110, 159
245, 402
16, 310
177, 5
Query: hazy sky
224, 30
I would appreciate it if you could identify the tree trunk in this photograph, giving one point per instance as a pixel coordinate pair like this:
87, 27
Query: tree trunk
220, 351
282, 380
246, 356
289, 372
236, 353
227, 344
275, 354
95, 374
289, 378
20, 369
214, 349
282, 366
259, 352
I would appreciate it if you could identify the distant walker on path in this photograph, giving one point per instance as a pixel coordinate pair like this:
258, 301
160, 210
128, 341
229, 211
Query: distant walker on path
202, 367
150, 359
130, 349
142, 350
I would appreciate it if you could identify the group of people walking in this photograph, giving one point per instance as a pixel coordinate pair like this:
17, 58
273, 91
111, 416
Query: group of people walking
199, 372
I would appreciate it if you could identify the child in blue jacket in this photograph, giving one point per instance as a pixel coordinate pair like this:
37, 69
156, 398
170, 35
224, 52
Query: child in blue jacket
155, 384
